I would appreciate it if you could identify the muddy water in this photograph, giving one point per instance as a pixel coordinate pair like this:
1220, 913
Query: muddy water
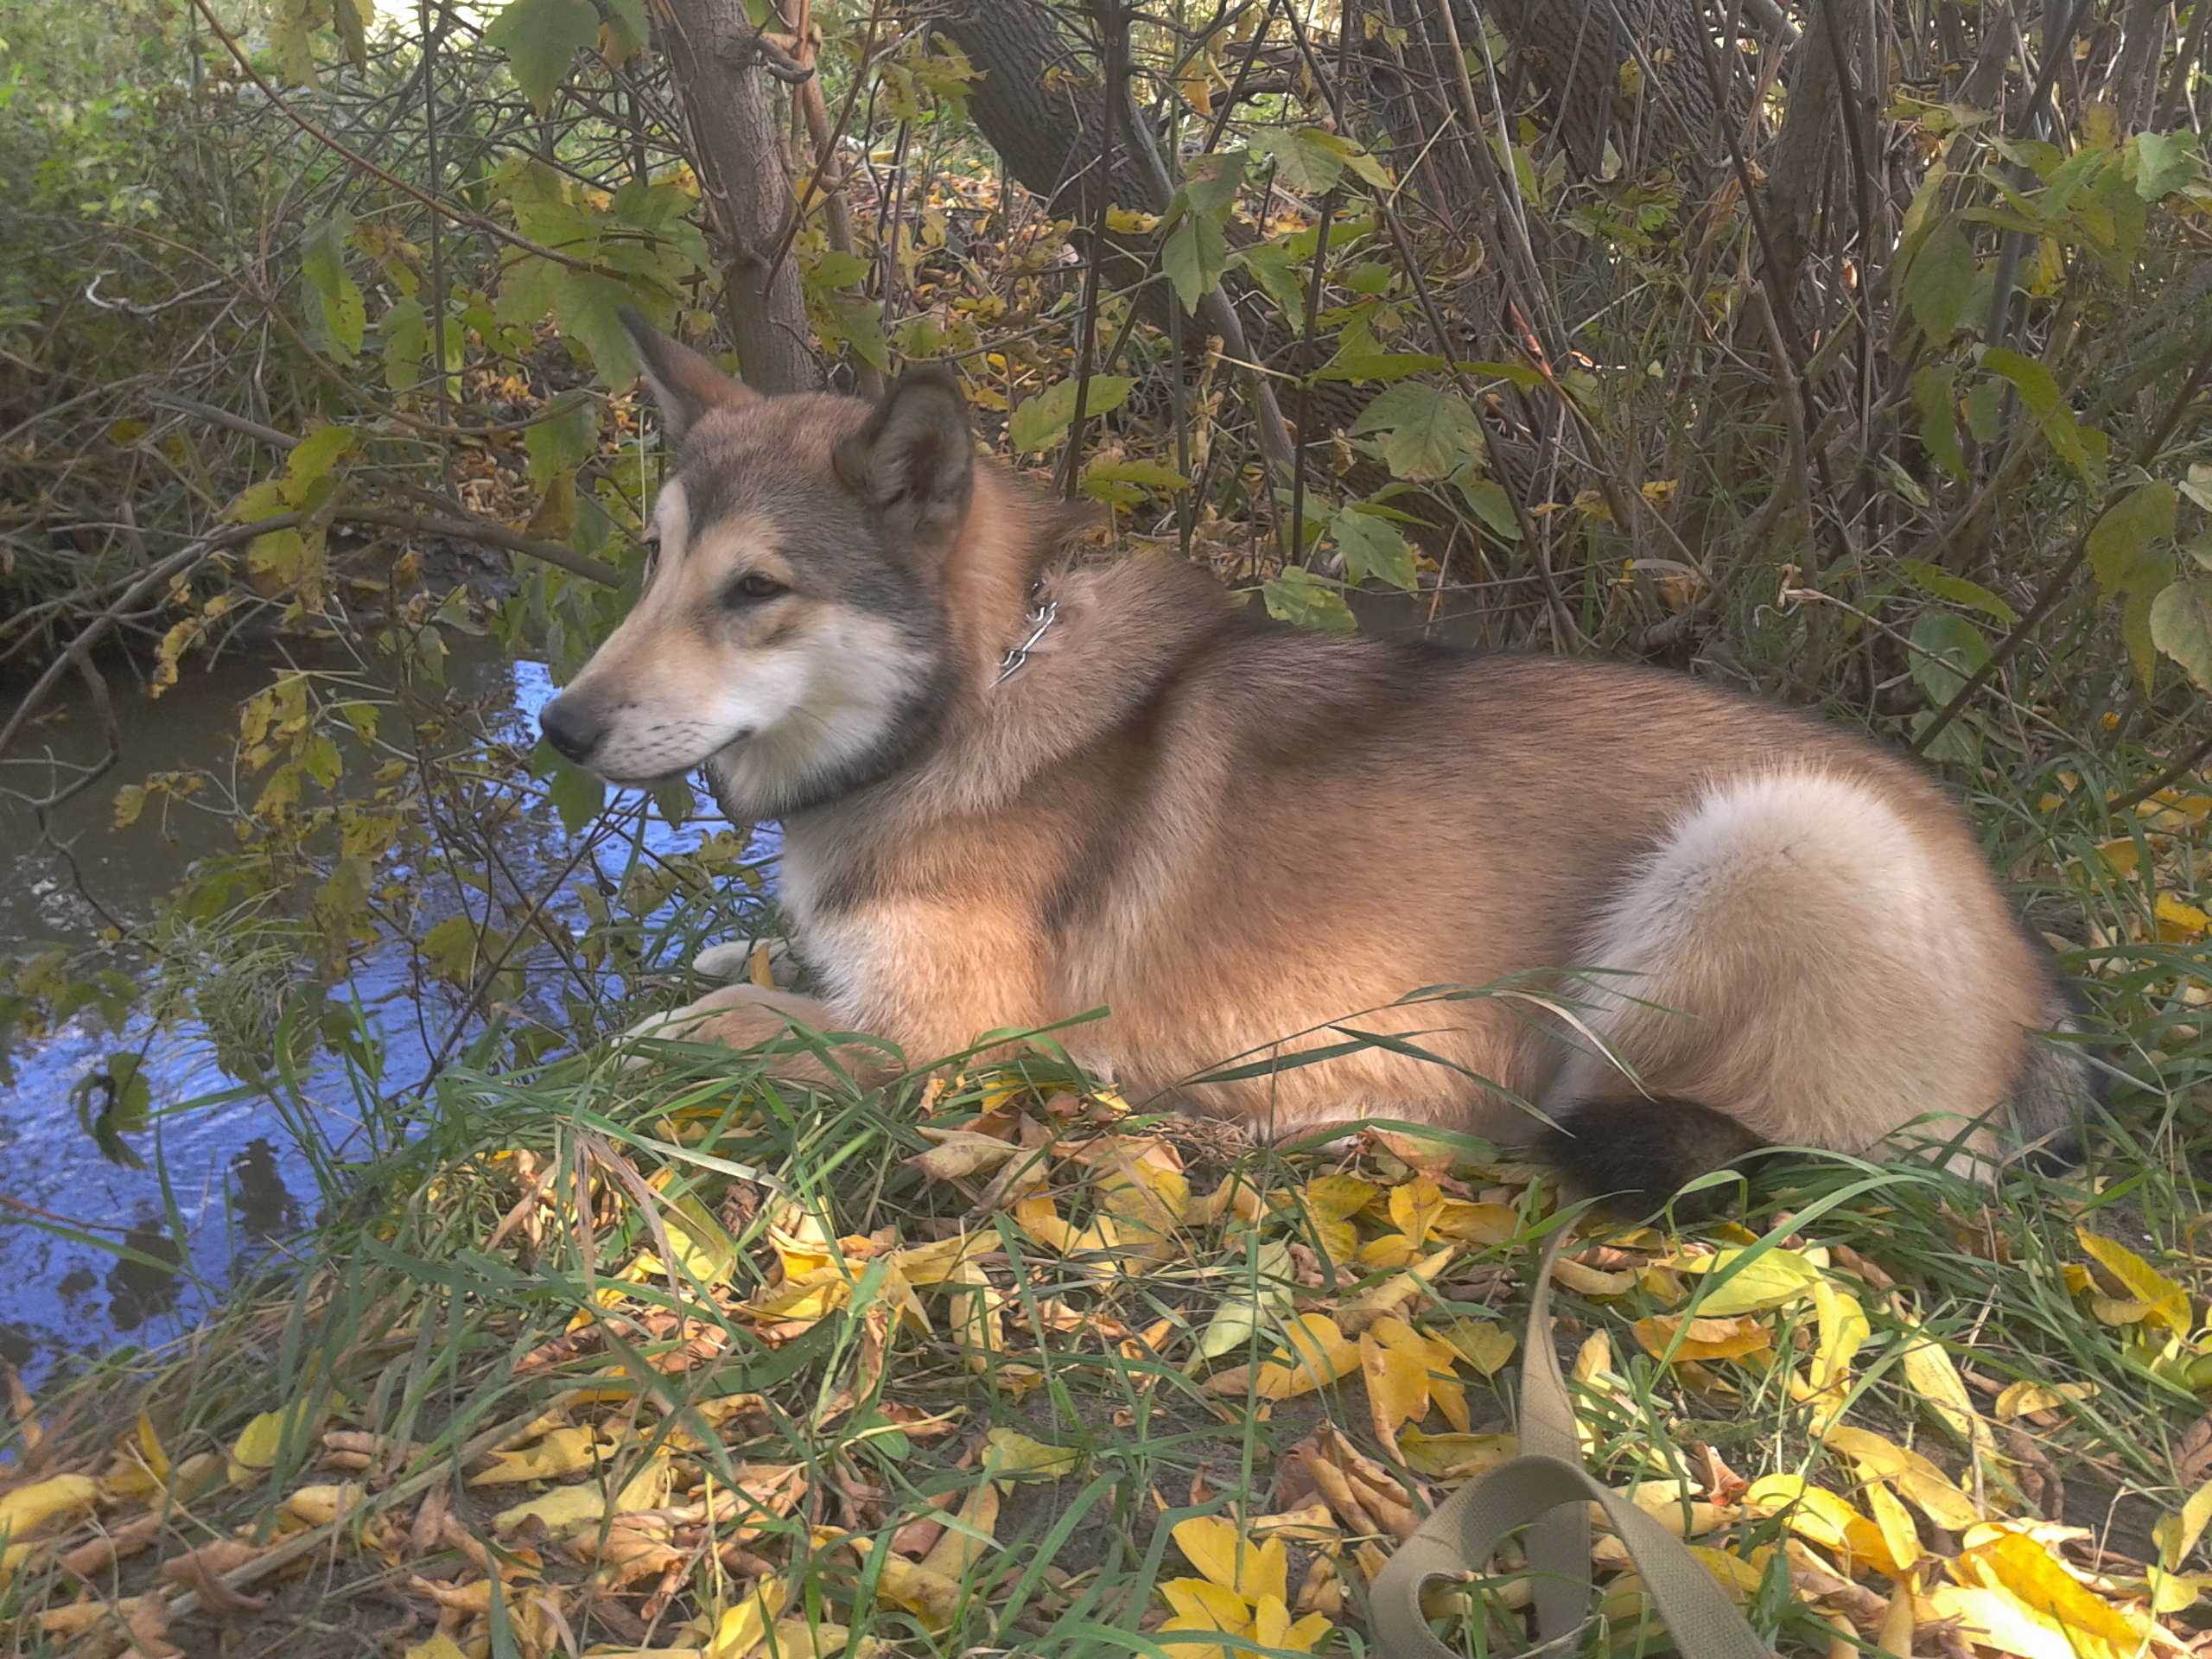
229, 1180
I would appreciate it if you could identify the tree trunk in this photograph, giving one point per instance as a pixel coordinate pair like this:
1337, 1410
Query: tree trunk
1812, 167
1043, 111
714, 56
1624, 76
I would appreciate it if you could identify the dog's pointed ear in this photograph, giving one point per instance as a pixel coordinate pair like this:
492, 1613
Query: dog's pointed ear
685, 385
914, 462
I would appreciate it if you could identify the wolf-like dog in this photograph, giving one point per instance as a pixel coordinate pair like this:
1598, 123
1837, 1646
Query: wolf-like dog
1015, 791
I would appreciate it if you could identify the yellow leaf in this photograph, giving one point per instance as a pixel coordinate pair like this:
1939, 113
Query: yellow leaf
743, 1629
564, 1451
1590, 1281
1487, 1342
1843, 1332
1395, 1360
1314, 1524
1701, 1338
320, 1505
1335, 1197
1267, 1289
2020, 1398
2179, 923
2164, 1301
1908, 1472
1819, 1516
1454, 1456
2177, 1535
1415, 1207
563, 1510
931, 1596
2028, 1574
150, 1444
1213, 1544
957, 1549
1774, 1278
1899, 1536
1385, 1253
1009, 1452
1319, 1353
2171, 1591
438, 1646
258, 1442
961, 1151
1202, 1604
29, 1508
1476, 1223
1938, 1381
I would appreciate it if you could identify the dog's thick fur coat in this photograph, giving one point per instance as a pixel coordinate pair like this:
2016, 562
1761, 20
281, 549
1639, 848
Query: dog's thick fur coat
1243, 839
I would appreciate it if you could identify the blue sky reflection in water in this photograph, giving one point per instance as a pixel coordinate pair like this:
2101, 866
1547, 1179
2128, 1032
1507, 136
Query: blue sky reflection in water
227, 1179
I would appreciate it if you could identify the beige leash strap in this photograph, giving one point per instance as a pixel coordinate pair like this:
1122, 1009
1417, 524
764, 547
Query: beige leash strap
1548, 1485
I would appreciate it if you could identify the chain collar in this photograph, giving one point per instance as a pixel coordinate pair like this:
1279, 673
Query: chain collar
1040, 616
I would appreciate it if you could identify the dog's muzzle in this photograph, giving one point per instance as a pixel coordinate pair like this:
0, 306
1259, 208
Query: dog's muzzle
572, 729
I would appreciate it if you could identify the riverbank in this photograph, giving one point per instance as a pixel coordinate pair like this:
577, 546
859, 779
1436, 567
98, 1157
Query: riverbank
663, 1356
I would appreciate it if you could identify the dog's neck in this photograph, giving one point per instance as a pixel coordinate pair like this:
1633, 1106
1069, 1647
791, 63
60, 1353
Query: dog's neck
990, 574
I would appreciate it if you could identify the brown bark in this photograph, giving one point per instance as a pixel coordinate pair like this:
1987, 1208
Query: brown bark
1812, 167
714, 56
1041, 107
1627, 75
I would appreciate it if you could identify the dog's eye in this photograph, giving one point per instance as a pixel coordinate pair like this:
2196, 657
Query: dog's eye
752, 589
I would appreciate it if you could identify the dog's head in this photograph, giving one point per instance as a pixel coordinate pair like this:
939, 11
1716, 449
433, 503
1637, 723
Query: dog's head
792, 627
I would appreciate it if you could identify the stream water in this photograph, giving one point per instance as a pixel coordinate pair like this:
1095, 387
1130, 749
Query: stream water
227, 1180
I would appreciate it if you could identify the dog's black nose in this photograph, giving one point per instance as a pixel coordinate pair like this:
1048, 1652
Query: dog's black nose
571, 727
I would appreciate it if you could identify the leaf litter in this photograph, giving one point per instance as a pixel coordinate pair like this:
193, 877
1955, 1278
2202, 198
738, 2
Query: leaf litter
703, 1367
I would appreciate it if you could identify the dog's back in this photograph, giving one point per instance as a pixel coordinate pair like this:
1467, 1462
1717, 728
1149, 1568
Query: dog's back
1248, 841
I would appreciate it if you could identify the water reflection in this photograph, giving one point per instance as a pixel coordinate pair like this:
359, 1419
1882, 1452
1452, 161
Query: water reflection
139, 1291
237, 1183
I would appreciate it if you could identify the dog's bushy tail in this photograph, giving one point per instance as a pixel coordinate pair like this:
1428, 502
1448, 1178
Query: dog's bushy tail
1634, 1156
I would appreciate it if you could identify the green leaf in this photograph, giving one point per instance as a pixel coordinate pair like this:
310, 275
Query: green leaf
1276, 269
540, 39
1209, 181
1377, 365
563, 440
1942, 583
336, 314
584, 306
1372, 547
2152, 574
350, 19
1940, 282
1038, 423
2127, 531
1429, 432
1487, 500
1124, 482
1934, 392
2038, 390
1301, 165
2080, 448
837, 269
406, 343
1518, 374
1948, 649
1193, 256
1299, 596
1985, 411
2163, 162
2181, 627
